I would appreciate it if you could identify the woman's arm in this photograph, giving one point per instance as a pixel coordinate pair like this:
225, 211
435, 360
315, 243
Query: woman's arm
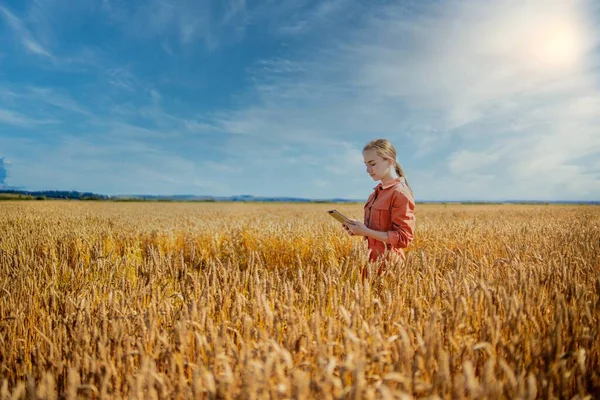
360, 229
403, 221
403, 224
378, 235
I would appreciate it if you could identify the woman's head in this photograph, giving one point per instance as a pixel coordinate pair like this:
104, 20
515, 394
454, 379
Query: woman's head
380, 158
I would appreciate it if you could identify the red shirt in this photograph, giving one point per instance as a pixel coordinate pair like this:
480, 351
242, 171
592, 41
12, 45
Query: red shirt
391, 209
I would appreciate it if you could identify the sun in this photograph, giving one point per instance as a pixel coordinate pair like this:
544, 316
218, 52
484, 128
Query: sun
557, 45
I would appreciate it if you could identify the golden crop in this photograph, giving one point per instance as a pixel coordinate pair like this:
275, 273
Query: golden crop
249, 301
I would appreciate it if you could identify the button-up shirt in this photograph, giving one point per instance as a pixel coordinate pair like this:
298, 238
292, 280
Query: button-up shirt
390, 208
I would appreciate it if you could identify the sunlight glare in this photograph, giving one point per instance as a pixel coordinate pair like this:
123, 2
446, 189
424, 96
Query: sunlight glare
558, 45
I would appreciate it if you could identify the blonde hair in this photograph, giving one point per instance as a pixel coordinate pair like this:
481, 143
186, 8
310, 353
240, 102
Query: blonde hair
386, 150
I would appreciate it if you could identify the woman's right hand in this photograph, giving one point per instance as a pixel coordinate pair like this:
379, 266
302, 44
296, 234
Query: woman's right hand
348, 230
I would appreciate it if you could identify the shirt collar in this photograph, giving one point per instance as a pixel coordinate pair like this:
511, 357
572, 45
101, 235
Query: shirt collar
390, 183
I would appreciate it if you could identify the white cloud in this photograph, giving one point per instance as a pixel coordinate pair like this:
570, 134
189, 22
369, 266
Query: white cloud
110, 165
194, 126
479, 94
468, 55
235, 8
295, 18
220, 23
14, 118
493, 99
465, 161
187, 22
23, 33
345, 160
155, 95
221, 167
54, 98
35, 47
121, 78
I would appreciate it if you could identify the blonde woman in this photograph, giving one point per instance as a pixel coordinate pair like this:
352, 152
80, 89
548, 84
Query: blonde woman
390, 210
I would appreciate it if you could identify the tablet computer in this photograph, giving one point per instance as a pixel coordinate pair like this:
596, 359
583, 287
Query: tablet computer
340, 217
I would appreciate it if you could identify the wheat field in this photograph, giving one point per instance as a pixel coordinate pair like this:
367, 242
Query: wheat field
252, 301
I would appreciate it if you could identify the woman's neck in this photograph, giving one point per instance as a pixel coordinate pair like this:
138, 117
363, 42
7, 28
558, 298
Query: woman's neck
387, 178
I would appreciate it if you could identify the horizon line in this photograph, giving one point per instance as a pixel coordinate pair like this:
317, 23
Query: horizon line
249, 197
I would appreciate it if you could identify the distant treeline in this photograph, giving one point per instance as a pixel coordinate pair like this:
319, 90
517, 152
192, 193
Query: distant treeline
75, 195
50, 194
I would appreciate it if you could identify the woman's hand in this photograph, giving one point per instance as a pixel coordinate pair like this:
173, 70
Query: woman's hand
357, 228
348, 230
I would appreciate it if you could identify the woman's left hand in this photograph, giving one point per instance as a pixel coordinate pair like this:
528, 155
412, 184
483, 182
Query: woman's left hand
357, 228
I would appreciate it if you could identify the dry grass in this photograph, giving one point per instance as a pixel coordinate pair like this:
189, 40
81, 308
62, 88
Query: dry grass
140, 300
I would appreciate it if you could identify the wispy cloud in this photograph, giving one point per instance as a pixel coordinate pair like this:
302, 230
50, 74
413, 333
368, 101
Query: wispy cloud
219, 23
121, 78
76, 163
186, 21
304, 20
506, 87
461, 67
494, 100
3, 173
521, 104
22, 33
234, 9
56, 99
14, 118
28, 106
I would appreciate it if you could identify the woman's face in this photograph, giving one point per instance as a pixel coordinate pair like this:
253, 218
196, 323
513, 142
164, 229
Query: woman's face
377, 166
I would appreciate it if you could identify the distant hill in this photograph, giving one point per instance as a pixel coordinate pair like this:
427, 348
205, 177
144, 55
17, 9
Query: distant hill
12, 194
75, 195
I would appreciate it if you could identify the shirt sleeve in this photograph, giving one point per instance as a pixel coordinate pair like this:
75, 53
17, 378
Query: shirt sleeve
403, 221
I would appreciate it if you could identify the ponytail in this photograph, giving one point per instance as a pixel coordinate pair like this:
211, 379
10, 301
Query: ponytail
401, 174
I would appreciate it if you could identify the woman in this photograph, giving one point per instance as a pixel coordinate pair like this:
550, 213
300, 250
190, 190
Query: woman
390, 210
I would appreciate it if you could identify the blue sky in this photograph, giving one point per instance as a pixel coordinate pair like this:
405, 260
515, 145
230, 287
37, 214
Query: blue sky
484, 100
